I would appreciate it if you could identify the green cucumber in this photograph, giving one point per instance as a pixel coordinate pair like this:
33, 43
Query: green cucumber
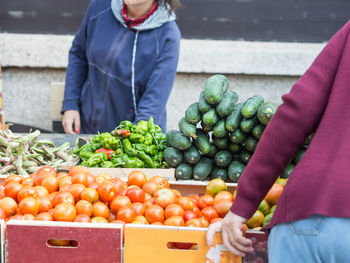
178, 140
206, 128
202, 169
227, 104
247, 125
258, 130
250, 144
183, 171
213, 151
187, 128
233, 120
299, 155
219, 129
219, 173
234, 148
193, 114
235, 171
173, 156
223, 159
244, 156
287, 171
251, 106
214, 89
221, 143
266, 112
192, 155
237, 136
203, 105
210, 117
202, 142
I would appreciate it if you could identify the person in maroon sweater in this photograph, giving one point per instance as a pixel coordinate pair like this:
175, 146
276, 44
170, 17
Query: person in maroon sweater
312, 219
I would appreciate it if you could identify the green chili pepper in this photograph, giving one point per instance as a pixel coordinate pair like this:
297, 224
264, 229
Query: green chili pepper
138, 138
152, 149
96, 159
83, 164
85, 155
108, 141
133, 129
85, 148
125, 125
133, 162
107, 164
151, 127
140, 147
95, 145
128, 148
148, 139
159, 136
162, 145
119, 160
157, 164
158, 157
146, 159
157, 128
142, 127
119, 151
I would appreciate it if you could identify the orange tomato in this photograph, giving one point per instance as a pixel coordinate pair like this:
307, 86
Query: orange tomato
63, 197
154, 213
205, 200
28, 217
52, 195
209, 213
29, 205
90, 179
188, 215
42, 172
13, 178
102, 177
111, 216
45, 204
215, 186
126, 214
217, 219
148, 196
160, 181
12, 189
82, 218
45, 216
79, 169
174, 221
139, 208
64, 180
177, 193
65, 188
195, 199
194, 222
119, 202
204, 222
274, 194
120, 186
150, 187
165, 197
222, 206
100, 209
90, 195
149, 202
186, 203
61, 174
140, 220
2, 213
137, 178
224, 195
75, 190
99, 219
64, 212
26, 191
174, 210
41, 190
28, 181
84, 207
107, 191
135, 194
79, 177
50, 183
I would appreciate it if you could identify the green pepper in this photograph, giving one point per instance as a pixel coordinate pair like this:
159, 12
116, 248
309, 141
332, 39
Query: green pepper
142, 127
148, 139
152, 149
159, 136
125, 125
158, 157
95, 145
146, 159
85, 155
151, 127
119, 160
157, 128
85, 148
108, 141
96, 159
138, 138
107, 164
133, 129
128, 148
157, 164
119, 151
133, 162
162, 145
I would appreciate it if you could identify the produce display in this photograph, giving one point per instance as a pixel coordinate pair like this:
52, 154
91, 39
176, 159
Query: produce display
25, 154
128, 146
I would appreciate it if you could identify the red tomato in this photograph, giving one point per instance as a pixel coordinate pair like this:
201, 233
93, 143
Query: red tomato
13, 178
205, 200
29, 205
50, 182
64, 212
174, 221
154, 213
89, 194
139, 208
186, 203
75, 190
90, 179
26, 191
64, 180
78, 169
84, 207
82, 218
174, 210
165, 197
107, 191
222, 206
160, 181
63, 197
79, 177
12, 189
137, 178
119, 202
224, 195
41, 190
209, 213
100, 209
121, 187
195, 199
45, 204
135, 194
188, 215
42, 172
28, 181
150, 187
45, 216
126, 214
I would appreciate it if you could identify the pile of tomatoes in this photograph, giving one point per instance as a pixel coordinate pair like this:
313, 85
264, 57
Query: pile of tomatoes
79, 196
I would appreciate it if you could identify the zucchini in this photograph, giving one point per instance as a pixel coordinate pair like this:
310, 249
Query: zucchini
299, 155
219, 129
213, 151
210, 117
220, 143
287, 171
251, 106
202, 169
227, 104
203, 105
266, 112
258, 130
244, 156
173, 156
206, 128
223, 159
235, 171
219, 173
234, 148
187, 128
193, 114
250, 144
183, 171
178, 140
247, 125
202, 143
237, 136
214, 89
233, 120
192, 155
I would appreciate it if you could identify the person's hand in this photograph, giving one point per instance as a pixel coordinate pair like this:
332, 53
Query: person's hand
70, 118
231, 231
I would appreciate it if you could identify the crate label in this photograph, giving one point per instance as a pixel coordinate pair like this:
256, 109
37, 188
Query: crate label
214, 255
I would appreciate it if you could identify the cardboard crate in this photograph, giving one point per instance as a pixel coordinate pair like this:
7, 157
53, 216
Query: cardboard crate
27, 241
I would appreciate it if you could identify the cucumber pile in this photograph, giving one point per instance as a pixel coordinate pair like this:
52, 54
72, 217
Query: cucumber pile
218, 136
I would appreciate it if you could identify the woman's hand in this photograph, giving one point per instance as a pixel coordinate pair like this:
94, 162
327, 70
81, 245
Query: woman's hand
71, 118
231, 228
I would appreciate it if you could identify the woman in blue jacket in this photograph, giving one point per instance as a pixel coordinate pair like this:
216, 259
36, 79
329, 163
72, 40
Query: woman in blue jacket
122, 65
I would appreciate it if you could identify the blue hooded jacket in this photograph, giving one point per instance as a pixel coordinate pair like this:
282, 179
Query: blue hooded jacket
117, 73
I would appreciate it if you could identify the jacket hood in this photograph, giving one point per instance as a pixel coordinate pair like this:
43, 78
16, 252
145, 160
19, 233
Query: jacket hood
157, 19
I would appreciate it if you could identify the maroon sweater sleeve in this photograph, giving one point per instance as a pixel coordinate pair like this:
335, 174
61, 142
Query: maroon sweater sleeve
298, 116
